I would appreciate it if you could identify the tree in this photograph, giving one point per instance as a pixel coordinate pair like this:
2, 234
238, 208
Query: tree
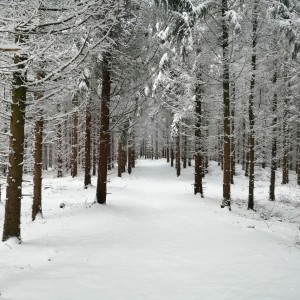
251, 106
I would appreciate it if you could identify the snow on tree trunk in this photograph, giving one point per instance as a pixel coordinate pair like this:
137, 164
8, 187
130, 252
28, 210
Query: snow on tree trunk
12, 218
274, 142
232, 141
251, 107
285, 132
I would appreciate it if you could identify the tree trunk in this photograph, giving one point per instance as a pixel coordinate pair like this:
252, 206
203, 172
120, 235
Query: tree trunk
178, 156
124, 159
87, 164
12, 219
74, 156
59, 151
104, 139
285, 129
226, 108
109, 162
198, 188
168, 150
232, 142
120, 151
274, 142
184, 156
95, 134
251, 108
156, 146
244, 148
38, 160
172, 156
129, 159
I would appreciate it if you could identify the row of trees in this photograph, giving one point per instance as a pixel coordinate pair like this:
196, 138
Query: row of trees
244, 52
85, 83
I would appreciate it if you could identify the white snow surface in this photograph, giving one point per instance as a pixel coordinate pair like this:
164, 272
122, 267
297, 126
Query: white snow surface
154, 240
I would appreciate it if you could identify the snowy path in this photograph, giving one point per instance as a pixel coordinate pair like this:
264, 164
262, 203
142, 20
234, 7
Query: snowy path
154, 240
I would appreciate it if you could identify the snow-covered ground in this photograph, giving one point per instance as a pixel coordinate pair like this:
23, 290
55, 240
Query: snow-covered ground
155, 240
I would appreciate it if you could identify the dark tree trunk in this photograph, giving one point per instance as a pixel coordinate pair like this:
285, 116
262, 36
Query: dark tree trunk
274, 142
87, 165
66, 136
232, 142
95, 147
38, 161
168, 150
109, 162
129, 159
251, 108
172, 156
220, 151
247, 157
104, 139
74, 156
178, 155
124, 159
120, 151
285, 129
244, 149
184, 156
112, 148
198, 188
12, 218
59, 151
226, 107
156, 146
133, 150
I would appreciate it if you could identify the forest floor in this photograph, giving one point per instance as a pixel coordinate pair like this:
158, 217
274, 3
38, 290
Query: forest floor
155, 240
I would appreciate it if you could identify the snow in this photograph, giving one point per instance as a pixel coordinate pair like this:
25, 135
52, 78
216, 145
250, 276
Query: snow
10, 47
163, 60
154, 240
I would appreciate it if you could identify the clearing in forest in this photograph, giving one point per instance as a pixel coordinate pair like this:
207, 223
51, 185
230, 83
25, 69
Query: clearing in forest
154, 240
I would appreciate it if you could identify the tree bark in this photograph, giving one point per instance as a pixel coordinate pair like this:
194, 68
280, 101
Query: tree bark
198, 188
124, 159
226, 108
74, 155
274, 142
120, 151
59, 150
129, 159
38, 160
178, 154
285, 129
251, 107
104, 139
12, 218
184, 156
172, 156
87, 151
95, 144
168, 150
232, 142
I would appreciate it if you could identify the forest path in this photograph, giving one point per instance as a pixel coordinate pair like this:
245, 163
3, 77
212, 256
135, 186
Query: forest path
154, 240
